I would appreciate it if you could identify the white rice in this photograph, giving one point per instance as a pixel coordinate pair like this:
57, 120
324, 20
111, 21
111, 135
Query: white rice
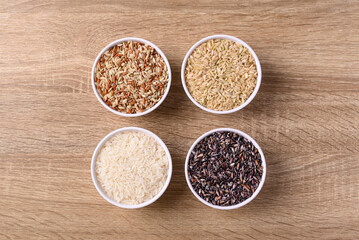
132, 167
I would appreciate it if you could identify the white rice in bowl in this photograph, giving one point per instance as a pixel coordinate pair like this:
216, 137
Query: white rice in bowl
132, 167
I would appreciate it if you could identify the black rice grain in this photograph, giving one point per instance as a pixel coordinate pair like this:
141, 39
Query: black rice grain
225, 168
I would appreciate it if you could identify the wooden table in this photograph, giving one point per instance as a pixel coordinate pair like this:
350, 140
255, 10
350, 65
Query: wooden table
305, 118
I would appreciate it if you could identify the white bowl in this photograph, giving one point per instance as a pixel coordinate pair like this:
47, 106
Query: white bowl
93, 170
263, 164
258, 66
135, 40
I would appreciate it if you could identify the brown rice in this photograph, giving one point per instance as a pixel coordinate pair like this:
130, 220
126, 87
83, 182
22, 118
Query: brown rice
221, 74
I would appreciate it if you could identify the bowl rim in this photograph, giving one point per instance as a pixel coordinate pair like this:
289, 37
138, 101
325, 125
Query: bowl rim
263, 164
134, 39
235, 39
93, 170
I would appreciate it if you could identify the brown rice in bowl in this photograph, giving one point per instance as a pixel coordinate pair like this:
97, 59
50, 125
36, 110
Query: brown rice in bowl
221, 74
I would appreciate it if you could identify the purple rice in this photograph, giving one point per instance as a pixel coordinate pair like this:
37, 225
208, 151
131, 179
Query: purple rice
225, 168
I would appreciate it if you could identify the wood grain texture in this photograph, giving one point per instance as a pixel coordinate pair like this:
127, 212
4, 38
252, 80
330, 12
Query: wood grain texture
305, 118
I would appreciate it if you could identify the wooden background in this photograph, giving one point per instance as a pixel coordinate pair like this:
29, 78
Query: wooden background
305, 118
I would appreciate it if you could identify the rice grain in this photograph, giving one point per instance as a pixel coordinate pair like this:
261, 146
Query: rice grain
221, 74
